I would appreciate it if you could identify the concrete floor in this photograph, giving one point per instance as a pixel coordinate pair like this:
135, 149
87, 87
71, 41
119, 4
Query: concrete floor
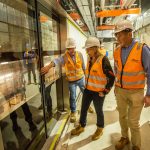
111, 131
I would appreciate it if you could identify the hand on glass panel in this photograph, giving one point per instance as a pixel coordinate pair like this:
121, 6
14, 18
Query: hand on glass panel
45, 69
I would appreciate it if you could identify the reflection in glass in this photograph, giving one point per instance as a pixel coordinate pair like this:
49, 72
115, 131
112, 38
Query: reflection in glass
30, 58
20, 118
49, 29
50, 46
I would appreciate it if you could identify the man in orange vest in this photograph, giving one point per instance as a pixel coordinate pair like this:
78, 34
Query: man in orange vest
74, 67
99, 81
132, 63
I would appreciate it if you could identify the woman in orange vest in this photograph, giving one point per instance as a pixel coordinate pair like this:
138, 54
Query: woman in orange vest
74, 66
99, 80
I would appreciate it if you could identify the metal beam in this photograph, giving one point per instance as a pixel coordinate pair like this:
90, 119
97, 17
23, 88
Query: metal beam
106, 27
75, 16
118, 12
102, 4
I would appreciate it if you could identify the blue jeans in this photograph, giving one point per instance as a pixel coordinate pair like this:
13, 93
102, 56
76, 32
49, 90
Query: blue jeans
72, 89
88, 97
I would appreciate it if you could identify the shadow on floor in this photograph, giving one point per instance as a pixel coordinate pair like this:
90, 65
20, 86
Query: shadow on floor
145, 136
63, 143
21, 141
77, 145
110, 118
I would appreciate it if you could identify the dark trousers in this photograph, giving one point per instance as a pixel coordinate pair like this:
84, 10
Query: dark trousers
31, 68
48, 98
27, 114
88, 97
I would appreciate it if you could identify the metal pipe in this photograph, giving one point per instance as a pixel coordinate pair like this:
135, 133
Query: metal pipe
117, 6
123, 3
102, 4
93, 15
91, 28
130, 4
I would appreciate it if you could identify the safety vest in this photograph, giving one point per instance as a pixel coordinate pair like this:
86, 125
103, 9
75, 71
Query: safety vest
131, 75
73, 69
95, 78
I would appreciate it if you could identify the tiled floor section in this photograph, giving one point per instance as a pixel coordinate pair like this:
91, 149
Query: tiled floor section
111, 132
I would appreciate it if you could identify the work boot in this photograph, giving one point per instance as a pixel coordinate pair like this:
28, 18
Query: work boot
121, 143
98, 133
135, 148
77, 130
73, 117
90, 110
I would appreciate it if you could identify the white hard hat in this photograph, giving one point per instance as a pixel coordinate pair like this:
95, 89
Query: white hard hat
123, 25
91, 42
70, 43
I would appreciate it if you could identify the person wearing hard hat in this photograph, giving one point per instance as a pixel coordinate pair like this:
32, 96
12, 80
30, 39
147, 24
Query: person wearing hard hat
99, 81
102, 50
132, 63
30, 58
73, 62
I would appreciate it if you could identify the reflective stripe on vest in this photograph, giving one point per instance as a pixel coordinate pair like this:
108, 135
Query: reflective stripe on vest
133, 83
73, 70
96, 85
95, 79
132, 74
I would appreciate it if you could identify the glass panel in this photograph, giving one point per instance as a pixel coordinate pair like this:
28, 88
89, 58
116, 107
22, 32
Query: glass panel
49, 30
21, 119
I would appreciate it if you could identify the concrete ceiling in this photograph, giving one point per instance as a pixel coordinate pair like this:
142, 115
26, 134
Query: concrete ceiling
103, 5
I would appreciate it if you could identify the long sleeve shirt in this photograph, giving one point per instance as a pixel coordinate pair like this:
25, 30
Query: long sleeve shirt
61, 61
107, 69
145, 60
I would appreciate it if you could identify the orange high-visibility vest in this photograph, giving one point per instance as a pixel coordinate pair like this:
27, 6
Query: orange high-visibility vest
132, 74
73, 69
95, 78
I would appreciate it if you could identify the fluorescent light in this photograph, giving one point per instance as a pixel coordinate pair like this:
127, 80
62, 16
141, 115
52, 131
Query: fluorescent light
3, 63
